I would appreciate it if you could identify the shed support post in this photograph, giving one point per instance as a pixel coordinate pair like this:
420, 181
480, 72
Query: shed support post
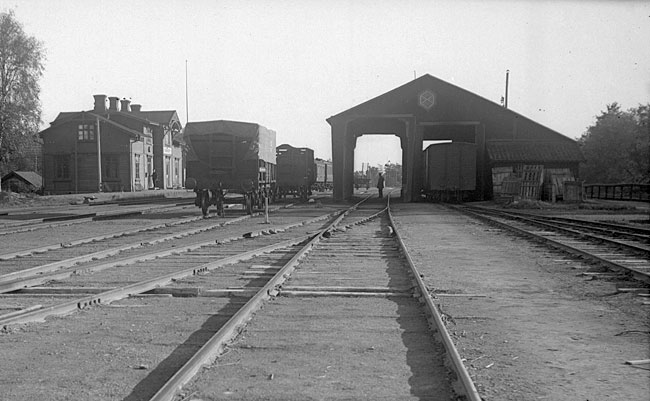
338, 156
482, 172
413, 161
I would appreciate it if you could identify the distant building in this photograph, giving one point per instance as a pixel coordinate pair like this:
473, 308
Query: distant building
168, 148
112, 148
22, 181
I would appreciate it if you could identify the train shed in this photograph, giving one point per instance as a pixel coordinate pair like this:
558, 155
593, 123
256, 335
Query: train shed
430, 109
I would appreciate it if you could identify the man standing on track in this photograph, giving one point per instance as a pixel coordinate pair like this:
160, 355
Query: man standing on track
380, 185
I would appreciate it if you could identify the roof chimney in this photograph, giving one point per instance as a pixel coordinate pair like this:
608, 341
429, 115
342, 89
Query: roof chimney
113, 100
136, 107
100, 103
125, 105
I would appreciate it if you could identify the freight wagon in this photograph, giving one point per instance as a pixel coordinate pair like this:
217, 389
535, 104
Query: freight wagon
230, 157
450, 171
323, 175
295, 171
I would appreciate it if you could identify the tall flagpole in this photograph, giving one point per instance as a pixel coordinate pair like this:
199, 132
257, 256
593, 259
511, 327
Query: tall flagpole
187, 109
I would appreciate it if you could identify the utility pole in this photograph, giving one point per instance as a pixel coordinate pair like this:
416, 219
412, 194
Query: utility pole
99, 158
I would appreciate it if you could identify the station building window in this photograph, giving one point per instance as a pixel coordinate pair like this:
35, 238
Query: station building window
86, 132
137, 166
168, 168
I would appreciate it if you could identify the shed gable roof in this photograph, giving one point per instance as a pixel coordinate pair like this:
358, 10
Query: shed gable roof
30, 177
451, 103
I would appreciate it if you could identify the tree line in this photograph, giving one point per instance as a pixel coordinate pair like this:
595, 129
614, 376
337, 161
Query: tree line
616, 147
21, 66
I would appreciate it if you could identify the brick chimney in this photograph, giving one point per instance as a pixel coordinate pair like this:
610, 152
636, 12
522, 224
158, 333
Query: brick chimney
136, 108
113, 100
125, 103
100, 103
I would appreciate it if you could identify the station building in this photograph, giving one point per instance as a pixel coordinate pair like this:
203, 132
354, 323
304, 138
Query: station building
113, 147
507, 144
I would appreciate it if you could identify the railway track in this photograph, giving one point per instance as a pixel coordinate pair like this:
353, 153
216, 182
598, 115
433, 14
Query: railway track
70, 265
29, 220
621, 249
341, 298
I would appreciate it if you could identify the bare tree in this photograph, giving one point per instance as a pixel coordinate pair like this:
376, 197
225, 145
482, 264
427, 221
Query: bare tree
21, 66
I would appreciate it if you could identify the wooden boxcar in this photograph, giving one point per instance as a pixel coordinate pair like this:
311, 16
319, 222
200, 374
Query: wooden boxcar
230, 157
450, 171
323, 175
295, 171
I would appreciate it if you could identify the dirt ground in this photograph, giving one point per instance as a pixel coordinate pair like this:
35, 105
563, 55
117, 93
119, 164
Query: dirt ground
529, 325
13, 200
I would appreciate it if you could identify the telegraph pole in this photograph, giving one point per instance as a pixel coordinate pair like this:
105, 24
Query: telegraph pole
99, 158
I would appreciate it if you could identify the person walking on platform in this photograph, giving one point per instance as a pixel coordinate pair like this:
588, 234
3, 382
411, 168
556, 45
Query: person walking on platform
380, 185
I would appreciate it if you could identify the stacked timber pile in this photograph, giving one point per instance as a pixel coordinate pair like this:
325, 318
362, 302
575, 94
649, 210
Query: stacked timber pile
534, 182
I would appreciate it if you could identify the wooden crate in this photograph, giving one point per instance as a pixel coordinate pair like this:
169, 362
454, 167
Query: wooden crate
532, 177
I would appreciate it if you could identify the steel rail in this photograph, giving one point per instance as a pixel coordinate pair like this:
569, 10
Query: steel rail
467, 389
142, 286
117, 234
579, 234
50, 267
595, 228
22, 279
596, 224
637, 274
36, 224
214, 346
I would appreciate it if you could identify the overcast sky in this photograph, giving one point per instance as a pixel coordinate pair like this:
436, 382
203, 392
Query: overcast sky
289, 65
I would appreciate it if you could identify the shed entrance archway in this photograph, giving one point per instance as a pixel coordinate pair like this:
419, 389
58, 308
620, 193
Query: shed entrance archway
344, 144
374, 153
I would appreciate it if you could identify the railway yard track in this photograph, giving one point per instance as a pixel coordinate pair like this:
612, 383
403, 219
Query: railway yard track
322, 279
621, 249
314, 301
18, 220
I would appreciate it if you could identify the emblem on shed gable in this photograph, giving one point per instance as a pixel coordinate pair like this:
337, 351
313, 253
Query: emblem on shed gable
427, 99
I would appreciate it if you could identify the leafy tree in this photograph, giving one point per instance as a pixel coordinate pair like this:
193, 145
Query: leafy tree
21, 66
617, 146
